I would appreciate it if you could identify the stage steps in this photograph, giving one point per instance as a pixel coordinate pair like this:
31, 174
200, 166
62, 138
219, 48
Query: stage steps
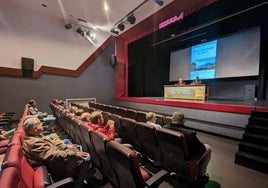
253, 149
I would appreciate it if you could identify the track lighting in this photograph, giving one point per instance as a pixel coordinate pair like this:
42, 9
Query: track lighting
121, 26
131, 19
114, 31
80, 31
159, 2
68, 26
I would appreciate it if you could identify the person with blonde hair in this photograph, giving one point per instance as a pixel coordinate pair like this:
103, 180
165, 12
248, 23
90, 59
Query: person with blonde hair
151, 120
85, 117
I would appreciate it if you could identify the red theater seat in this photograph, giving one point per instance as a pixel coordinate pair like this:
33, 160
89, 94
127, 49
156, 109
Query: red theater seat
28, 177
125, 163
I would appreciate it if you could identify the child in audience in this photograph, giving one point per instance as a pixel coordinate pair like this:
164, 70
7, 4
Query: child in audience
97, 124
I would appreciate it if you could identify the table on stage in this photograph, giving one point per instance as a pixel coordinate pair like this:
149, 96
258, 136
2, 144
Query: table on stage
191, 92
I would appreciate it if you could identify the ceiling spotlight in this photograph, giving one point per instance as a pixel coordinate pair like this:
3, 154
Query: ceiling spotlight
121, 26
159, 2
131, 19
80, 31
91, 34
114, 31
68, 26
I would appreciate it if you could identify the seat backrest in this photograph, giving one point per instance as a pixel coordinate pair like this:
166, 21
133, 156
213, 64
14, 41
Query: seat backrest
10, 178
88, 146
167, 120
174, 154
148, 142
114, 110
131, 113
129, 127
15, 158
99, 141
125, 163
77, 133
122, 111
160, 119
141, 116
106, 116
117, 120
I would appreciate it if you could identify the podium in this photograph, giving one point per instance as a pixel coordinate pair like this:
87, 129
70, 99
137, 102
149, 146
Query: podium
190, 92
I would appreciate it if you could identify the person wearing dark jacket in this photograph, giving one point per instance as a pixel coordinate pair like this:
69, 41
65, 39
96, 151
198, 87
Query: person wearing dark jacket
197, 150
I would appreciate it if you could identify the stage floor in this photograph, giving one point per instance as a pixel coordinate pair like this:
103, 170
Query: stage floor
223, 105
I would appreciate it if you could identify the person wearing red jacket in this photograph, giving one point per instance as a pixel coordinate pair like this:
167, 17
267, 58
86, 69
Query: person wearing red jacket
97, 124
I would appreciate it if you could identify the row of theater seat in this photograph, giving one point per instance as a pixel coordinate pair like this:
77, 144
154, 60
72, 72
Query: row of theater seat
6, 120
138, 115
16, 172
164, 149
111, 158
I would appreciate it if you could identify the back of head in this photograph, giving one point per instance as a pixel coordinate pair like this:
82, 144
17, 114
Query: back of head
79, 112
73, 109
95, 115
177, 117
31, 102
150, 116
86, 116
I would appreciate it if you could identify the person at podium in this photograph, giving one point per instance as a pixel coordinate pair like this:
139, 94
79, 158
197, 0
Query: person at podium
180, 82
196, 81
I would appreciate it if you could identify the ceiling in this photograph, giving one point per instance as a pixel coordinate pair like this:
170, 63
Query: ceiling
91, 13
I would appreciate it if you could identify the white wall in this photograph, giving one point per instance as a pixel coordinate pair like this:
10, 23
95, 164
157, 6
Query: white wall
33, 33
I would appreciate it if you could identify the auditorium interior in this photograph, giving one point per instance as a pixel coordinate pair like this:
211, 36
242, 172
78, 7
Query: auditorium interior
45, 57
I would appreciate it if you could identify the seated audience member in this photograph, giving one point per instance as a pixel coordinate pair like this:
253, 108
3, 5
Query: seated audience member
196, 81
151, 120
79, 112
97, 124
73, 110
181, 82
34, 111
61, 160
5, 135
197, 150
56, 101
85, 117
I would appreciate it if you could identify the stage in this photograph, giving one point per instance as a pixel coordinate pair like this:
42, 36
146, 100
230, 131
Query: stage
221, 105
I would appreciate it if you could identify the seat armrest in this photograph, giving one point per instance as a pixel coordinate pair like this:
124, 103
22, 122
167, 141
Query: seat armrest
157, 178
61, 182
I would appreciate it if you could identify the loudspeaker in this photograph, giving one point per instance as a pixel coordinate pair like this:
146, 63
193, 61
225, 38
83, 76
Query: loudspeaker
27, 66
250, 91
113, 60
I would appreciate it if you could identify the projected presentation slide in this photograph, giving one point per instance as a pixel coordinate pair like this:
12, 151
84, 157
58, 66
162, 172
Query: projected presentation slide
203, 60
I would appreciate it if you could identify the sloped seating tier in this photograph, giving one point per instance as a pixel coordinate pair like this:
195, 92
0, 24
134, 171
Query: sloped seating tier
164, 148
138, 115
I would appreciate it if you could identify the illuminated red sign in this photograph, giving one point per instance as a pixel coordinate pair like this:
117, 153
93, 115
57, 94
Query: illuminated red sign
171, 20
